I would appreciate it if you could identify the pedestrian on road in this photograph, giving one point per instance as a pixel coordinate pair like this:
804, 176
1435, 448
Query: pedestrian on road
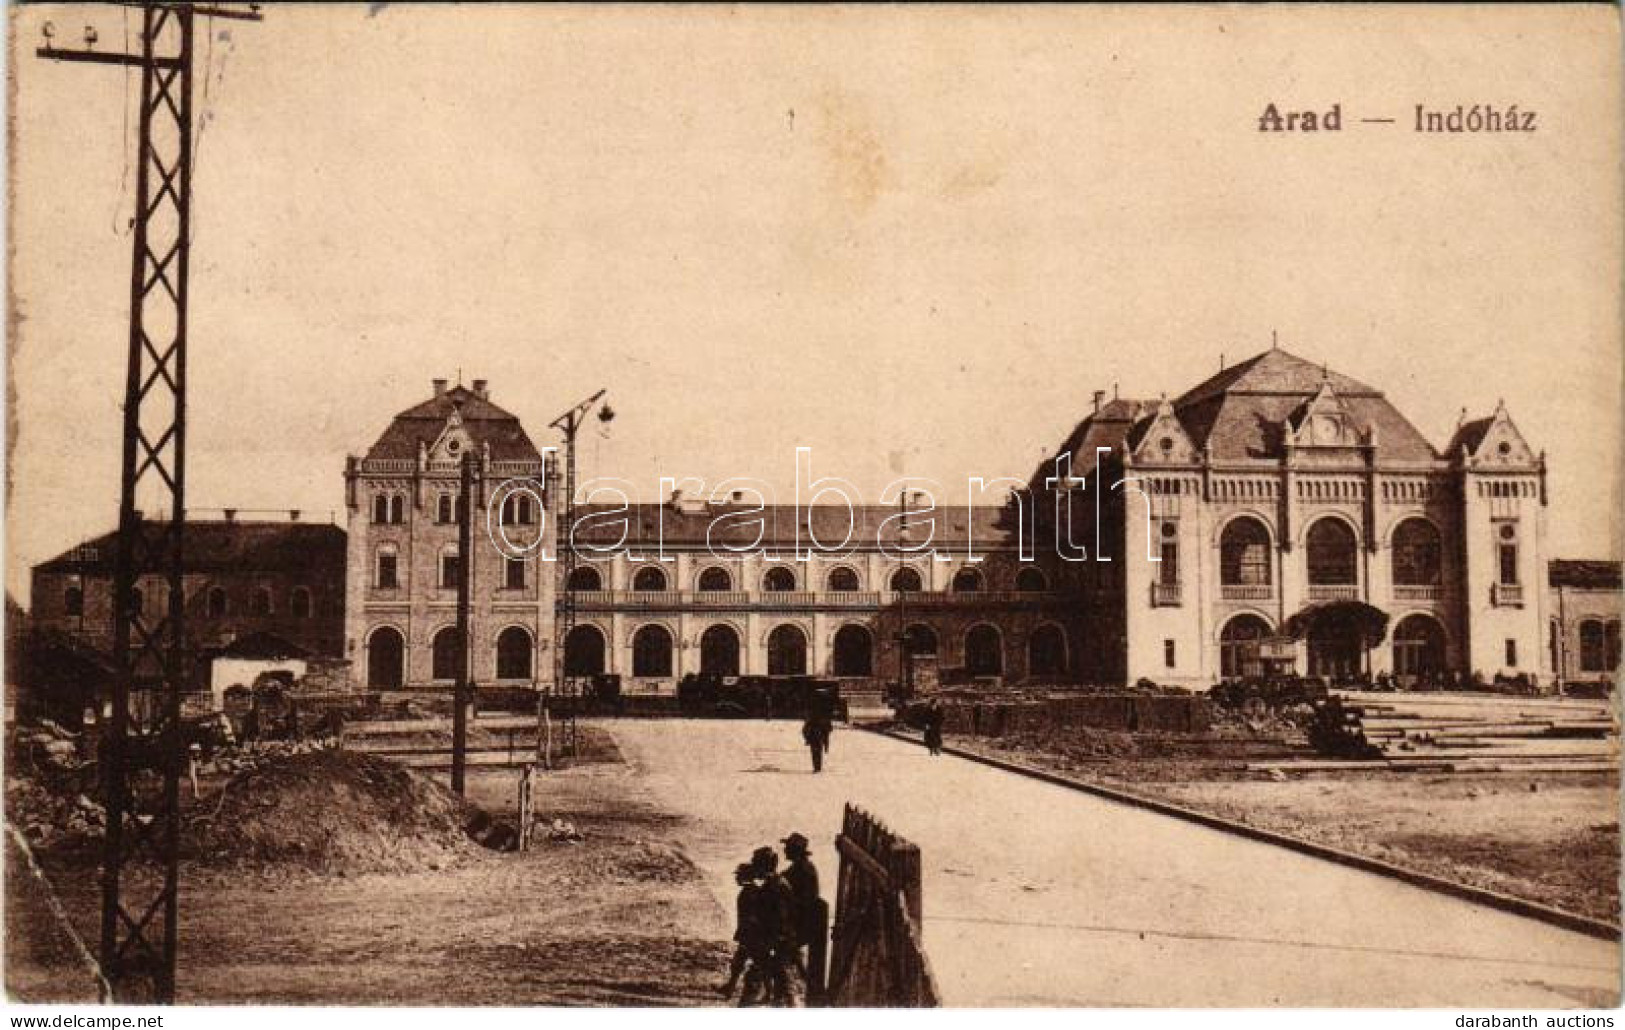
773, 916
933, 726
815, 731
810, 915
748, 942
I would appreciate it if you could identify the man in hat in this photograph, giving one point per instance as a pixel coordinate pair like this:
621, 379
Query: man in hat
774, 915
808, 913
749, 941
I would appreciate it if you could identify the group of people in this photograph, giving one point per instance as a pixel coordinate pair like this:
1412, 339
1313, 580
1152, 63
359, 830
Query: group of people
781, 923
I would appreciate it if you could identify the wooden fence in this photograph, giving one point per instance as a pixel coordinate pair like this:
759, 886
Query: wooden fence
877, 958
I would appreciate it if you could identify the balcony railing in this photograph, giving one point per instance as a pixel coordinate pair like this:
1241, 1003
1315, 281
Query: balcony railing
1506, 595
1165, 595
1418, 592
1246, 591
768, 600
1334, 592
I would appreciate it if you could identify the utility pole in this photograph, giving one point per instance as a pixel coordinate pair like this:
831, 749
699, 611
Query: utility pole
463, 688
142, 752
905, 647
564, 607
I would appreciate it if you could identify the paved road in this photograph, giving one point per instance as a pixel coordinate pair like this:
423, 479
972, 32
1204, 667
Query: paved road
1037, 895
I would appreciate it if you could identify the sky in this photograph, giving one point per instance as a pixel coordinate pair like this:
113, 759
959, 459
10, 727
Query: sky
913, 240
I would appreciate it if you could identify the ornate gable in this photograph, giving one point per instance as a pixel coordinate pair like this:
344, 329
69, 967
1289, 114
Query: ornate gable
1164, 441
1501, 443
453, 441
1325, 421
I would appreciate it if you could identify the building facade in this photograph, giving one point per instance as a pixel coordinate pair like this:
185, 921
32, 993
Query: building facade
1279, 516
1585, 614
1273, 515
242, 578
671, 597
403, 554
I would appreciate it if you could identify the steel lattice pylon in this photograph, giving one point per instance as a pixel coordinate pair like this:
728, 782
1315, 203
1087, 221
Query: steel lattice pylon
142, 749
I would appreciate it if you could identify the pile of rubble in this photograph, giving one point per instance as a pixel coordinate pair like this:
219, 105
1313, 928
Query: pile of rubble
66, 822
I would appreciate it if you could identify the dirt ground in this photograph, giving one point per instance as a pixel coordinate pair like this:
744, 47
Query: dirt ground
1552, 838
619, 918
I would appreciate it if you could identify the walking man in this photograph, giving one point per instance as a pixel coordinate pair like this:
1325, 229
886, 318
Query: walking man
815, 731
748, 944
933, 727
773, 915
809, 914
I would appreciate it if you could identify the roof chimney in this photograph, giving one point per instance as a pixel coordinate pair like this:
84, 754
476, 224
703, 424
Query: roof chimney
231, 514
293, 514
439, 387
481, 391
1100, 397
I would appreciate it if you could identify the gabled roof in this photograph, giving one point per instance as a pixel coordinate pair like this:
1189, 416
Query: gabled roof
1242, 411
225, 546
1584, 573
485, 423
1275, 371
1469, 435
263, 646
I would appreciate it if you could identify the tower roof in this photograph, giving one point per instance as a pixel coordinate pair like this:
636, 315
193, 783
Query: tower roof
486, 424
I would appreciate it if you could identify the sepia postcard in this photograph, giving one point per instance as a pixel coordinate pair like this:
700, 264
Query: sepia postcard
836, 506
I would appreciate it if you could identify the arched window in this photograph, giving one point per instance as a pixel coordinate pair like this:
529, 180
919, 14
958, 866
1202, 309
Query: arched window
651, 651
388, 569
842, 580
584, 652
1031, 581
444, 650
1046, 651
1593, 646
73, 602
1418, 646
397, 509
716, 579
1416, 553
1506, 552
778, 580
649, 578
1244, 554
906, 580
513, 654
517, 510
217, 602
1238, 646
261, 604
585, 577
299, 603
444, 512
786, 652
380, 508
450, 568
854, 652
719, 651
922, 640
1331, 553
967, 581
984, 651
386, 659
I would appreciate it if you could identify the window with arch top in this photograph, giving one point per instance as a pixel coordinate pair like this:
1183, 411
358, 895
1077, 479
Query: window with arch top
842, 580
716, 579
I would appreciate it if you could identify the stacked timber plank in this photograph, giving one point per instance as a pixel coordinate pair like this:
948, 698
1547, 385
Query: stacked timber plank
1460, 732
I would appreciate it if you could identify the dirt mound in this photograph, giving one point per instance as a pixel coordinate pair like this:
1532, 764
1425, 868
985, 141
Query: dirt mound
330, 811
